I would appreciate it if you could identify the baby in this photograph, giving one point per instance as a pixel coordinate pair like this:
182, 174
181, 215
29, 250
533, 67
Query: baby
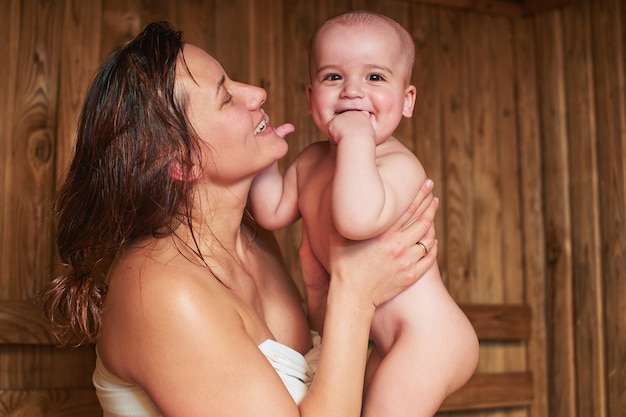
357, 184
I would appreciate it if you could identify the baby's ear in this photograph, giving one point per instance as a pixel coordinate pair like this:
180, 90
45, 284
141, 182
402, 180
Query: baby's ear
179, 173
409, 101
309, 87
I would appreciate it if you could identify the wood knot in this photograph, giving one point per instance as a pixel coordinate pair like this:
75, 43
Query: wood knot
40, 147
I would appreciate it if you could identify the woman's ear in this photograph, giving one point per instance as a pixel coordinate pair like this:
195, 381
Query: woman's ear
179, 173
409, 101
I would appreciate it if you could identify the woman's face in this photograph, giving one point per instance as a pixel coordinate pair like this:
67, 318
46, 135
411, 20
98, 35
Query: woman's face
228, 118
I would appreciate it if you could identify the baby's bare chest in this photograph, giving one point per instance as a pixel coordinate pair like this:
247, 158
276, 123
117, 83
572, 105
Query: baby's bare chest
316, 207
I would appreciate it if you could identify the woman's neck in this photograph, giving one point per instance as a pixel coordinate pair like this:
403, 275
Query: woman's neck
216, 220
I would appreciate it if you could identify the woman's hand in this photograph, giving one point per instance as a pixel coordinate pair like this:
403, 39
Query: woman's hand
378, 269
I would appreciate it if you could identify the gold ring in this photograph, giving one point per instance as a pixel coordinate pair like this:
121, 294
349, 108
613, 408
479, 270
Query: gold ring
424, 248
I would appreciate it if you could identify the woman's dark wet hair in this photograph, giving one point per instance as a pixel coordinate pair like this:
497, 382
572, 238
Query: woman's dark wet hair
119, 187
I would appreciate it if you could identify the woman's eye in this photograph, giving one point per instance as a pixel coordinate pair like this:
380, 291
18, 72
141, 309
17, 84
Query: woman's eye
375, 77
227, 99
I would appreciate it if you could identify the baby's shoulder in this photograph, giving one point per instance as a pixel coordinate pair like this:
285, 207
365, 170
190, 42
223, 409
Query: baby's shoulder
315, 150
312, 156
393, 151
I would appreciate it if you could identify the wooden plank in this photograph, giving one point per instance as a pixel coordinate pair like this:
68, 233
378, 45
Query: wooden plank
586, 259
22, 322
498, 7
609, 55
121, 20
556, 181
29, 366
492, 391
456, 207
507, 181
484, 179
50, 403
533, 236
10, 27
27, 228
266, 60
539, 6
156, 10
511, 8
507, 145
194, 19
504, 322
232, 23
427, 141
326, 9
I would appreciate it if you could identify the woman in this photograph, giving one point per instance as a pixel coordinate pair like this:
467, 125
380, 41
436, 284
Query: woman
196, 315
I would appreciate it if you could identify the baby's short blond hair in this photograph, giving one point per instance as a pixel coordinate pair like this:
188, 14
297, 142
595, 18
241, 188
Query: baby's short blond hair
370, 18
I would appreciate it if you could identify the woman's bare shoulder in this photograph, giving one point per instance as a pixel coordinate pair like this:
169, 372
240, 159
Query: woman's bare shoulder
184, 337
153, 297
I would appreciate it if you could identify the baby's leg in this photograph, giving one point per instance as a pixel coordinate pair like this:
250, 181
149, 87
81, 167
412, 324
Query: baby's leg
428, 350
373, 361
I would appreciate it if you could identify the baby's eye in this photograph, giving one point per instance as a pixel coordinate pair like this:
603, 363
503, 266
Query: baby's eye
375, 77
332, 77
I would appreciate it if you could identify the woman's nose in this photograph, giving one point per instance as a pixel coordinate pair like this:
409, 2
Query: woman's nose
256, 96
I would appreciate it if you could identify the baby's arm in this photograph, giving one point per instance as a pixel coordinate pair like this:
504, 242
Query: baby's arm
372, 185
274, 199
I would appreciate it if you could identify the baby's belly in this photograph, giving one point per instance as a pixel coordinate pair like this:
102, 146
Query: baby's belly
320, 238
317, 218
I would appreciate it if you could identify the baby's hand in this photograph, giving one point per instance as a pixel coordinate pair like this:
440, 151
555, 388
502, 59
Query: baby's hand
353, 123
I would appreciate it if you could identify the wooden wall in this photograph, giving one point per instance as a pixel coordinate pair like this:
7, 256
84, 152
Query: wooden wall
520, 120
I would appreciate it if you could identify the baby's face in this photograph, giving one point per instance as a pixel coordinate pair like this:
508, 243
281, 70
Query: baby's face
360, 68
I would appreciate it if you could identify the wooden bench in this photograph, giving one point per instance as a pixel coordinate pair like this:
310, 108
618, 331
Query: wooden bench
488, 391
22, 323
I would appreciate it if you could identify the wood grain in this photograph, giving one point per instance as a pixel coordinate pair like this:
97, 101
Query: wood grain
520, 120
499, 7
492, 391
10, 27
456, 198
22, 322
587, 280
533, 234
556, 196
426, 141
506, 322
610, 111
511, 8
50, 403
